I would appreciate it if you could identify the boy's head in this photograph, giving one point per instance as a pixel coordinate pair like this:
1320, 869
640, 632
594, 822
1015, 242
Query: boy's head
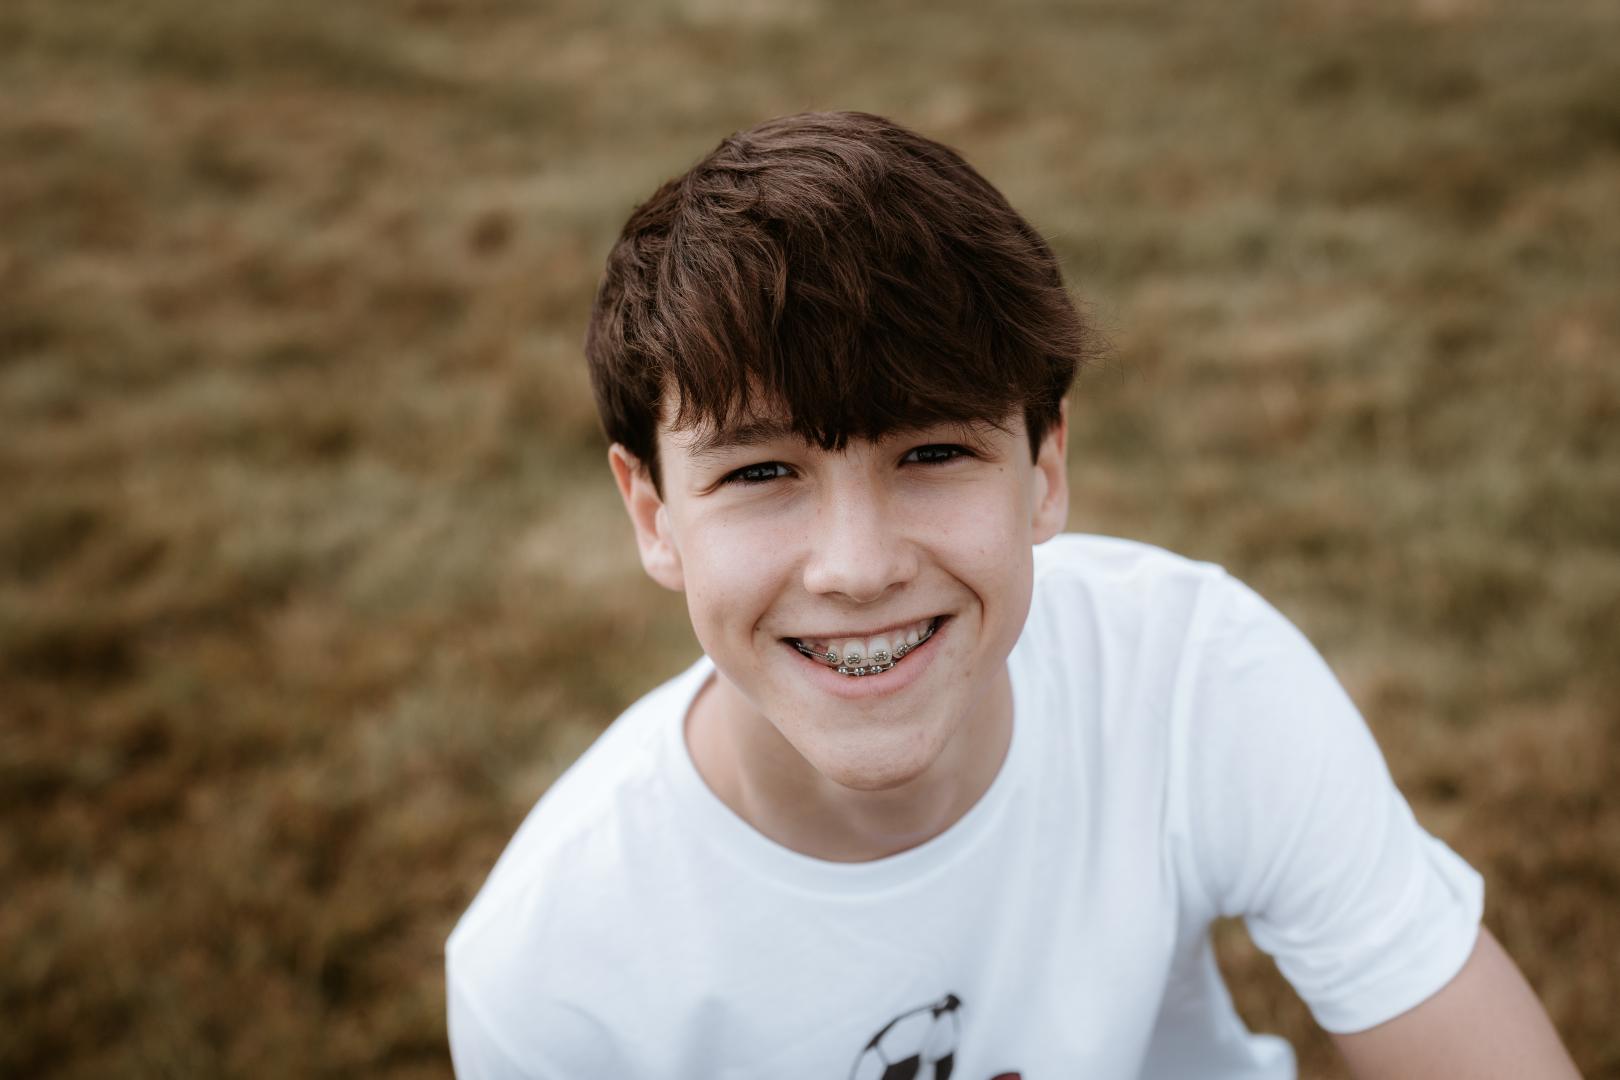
838, 270
832, 362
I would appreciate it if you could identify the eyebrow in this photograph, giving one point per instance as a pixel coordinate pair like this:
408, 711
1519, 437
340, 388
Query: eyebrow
713, 442
716, 441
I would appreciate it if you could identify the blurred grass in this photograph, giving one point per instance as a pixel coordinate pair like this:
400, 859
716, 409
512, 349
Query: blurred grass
311, 579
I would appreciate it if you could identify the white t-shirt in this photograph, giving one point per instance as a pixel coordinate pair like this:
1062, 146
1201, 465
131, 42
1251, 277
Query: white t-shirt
1179, 752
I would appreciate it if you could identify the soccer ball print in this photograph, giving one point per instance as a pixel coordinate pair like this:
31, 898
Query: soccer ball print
916, 1045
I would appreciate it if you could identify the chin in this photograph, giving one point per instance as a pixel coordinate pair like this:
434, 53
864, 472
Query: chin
889, 760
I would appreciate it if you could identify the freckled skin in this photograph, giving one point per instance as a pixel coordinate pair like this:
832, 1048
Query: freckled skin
851, 541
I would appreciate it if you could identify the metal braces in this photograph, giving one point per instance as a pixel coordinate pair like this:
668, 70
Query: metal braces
876, 664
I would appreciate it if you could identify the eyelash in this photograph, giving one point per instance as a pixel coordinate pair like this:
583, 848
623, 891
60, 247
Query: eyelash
740, 476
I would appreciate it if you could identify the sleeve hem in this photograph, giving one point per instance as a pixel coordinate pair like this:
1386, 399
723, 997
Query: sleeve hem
1379, 1004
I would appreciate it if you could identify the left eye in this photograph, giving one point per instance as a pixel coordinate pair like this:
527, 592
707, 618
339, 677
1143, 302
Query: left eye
936, 453
761, 473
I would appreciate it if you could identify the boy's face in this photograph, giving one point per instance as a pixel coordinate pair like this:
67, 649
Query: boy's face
778, 544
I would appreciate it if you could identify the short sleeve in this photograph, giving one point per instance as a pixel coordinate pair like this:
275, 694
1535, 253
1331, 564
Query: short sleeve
1297, 827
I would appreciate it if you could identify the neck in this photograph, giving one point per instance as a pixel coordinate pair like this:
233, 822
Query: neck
758, 774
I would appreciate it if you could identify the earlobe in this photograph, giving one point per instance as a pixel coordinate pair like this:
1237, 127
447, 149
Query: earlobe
655, 539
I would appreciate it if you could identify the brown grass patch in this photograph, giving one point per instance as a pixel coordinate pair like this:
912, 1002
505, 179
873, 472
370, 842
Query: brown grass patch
310, 575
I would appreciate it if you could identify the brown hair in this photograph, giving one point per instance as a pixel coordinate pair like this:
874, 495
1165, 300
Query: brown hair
854, 274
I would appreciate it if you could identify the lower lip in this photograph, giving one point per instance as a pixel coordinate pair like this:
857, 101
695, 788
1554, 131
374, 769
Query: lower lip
906, 671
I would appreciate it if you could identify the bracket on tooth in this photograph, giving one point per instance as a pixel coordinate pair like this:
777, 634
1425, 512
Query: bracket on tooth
852, 664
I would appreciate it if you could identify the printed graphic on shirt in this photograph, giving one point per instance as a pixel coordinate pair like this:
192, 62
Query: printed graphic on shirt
916, 1045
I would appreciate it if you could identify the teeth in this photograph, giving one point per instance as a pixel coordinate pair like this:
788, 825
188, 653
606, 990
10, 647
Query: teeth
870, 656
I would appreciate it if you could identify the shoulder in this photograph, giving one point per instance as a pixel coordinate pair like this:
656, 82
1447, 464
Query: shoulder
1126, 585
572, 862
1108, 599
1123, 572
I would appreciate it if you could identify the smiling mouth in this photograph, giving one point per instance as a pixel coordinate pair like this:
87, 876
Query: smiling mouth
852, 658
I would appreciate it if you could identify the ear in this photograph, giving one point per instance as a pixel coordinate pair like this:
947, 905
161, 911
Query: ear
1050, 512
659, 555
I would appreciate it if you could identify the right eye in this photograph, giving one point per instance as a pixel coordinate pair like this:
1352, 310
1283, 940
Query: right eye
762, 473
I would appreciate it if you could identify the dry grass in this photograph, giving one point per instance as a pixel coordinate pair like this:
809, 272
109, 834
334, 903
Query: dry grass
311, 579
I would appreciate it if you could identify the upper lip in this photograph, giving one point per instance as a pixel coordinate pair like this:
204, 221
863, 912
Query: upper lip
841, 635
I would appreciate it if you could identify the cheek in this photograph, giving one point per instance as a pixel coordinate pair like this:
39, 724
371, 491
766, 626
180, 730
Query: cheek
733, 572
983, 522
985, 540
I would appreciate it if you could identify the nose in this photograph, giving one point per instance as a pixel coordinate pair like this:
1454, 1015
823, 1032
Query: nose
858, 550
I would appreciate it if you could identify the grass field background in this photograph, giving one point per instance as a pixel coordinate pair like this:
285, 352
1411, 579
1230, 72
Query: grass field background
312, 577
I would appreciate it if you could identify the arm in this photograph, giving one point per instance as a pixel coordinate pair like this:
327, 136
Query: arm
1485, 1023
1300, 830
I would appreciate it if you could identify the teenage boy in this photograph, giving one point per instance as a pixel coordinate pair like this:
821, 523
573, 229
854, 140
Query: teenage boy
948, 795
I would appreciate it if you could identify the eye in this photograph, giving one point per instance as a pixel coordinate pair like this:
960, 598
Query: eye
762, 473
937, 454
